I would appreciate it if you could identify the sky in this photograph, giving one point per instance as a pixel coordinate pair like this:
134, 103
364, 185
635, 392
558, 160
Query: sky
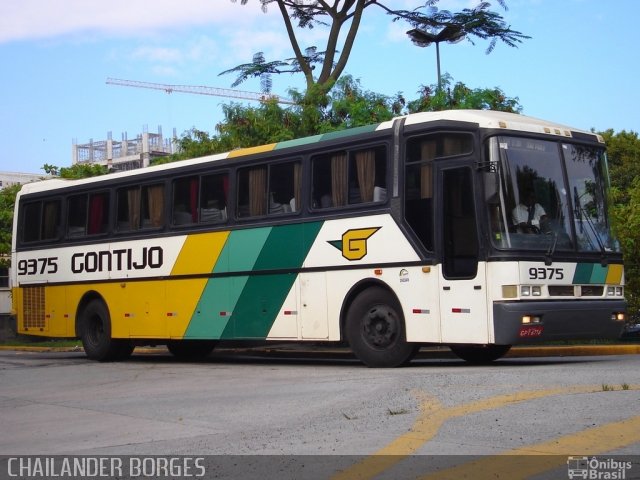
579, 68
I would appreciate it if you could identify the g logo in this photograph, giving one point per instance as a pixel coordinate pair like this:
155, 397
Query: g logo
354, 243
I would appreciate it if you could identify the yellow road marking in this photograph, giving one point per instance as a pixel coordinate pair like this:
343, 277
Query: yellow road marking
541, 457
433, 415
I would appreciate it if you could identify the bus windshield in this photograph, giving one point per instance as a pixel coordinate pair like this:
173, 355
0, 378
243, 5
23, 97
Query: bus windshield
534, 206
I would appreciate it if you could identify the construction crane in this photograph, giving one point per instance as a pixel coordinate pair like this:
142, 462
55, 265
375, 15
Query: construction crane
201, 90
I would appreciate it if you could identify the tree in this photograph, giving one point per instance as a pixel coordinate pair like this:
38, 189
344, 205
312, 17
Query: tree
78, 170
7, 204
460, 96
623, 150
348, 105
343, 18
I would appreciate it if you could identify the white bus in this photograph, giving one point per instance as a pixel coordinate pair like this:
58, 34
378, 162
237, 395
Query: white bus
385, 238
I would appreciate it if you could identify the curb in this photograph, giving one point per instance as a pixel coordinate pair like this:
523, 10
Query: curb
425, 352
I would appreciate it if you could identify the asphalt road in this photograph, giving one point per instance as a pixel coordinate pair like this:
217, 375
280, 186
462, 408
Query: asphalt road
355, 422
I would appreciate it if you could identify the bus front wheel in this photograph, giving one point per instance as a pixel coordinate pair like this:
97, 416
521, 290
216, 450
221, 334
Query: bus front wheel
480, 354
375, 330
95, 332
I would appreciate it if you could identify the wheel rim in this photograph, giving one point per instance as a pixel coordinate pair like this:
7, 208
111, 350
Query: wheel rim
380, 327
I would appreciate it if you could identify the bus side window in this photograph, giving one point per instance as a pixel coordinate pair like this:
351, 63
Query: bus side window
252, 191
347, 178
419, 190
128, 209
41, 221
140, 207
152, 206
51, 227
214, 192
98, 221
77, 216
285, 183
185, 200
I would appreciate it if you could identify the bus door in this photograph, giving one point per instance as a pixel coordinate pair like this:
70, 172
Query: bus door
462, 281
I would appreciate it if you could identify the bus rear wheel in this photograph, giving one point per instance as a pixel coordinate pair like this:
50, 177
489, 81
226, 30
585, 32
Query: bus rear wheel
190, 349
95, 332
375, 330
480, 354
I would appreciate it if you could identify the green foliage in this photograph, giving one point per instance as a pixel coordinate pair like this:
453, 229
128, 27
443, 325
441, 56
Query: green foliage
7, 203
625, 215
76, 171
623, 151
347, 105
458, 96
341, 20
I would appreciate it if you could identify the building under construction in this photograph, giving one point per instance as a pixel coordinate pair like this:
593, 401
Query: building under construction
124, 154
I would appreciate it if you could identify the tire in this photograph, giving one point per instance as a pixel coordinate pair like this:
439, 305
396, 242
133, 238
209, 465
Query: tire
375, 330
480, 354
191, 349
95, 332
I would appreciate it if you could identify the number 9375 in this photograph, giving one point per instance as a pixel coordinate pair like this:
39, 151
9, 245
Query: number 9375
546, 273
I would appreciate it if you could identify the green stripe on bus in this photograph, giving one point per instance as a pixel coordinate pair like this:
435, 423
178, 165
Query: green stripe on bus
350, 132
213, 311
582, 273
298, 142
285, 249
587, 273
599, 273
258, 306
287, 246
241, 250
246, 306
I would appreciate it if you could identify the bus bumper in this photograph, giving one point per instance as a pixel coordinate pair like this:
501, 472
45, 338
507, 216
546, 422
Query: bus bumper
558, 320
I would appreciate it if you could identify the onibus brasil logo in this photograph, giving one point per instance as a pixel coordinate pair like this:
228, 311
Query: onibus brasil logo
354, 242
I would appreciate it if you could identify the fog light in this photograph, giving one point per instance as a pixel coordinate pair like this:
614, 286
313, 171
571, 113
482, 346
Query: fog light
528, 319
618, 316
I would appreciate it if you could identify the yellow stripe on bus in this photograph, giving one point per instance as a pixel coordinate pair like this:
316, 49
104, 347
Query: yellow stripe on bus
614, 275
250, 150
199, 253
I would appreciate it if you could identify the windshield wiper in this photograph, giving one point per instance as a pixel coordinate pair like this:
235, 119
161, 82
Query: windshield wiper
603, 251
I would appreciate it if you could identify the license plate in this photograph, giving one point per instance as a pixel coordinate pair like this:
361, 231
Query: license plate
530, 331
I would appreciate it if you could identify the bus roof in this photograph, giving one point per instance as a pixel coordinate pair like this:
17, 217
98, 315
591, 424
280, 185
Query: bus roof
483, 118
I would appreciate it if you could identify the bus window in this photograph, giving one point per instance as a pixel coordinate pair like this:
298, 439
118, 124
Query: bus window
252, 191
214, 192
88, 214
41, 221
51, 220
77, 216
285, 181
185, 200
140, 207
460, 238
421, 152
347, 178
282, 181
128, 216
152, 206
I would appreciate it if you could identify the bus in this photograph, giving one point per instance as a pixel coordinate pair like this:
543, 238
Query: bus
384, 238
